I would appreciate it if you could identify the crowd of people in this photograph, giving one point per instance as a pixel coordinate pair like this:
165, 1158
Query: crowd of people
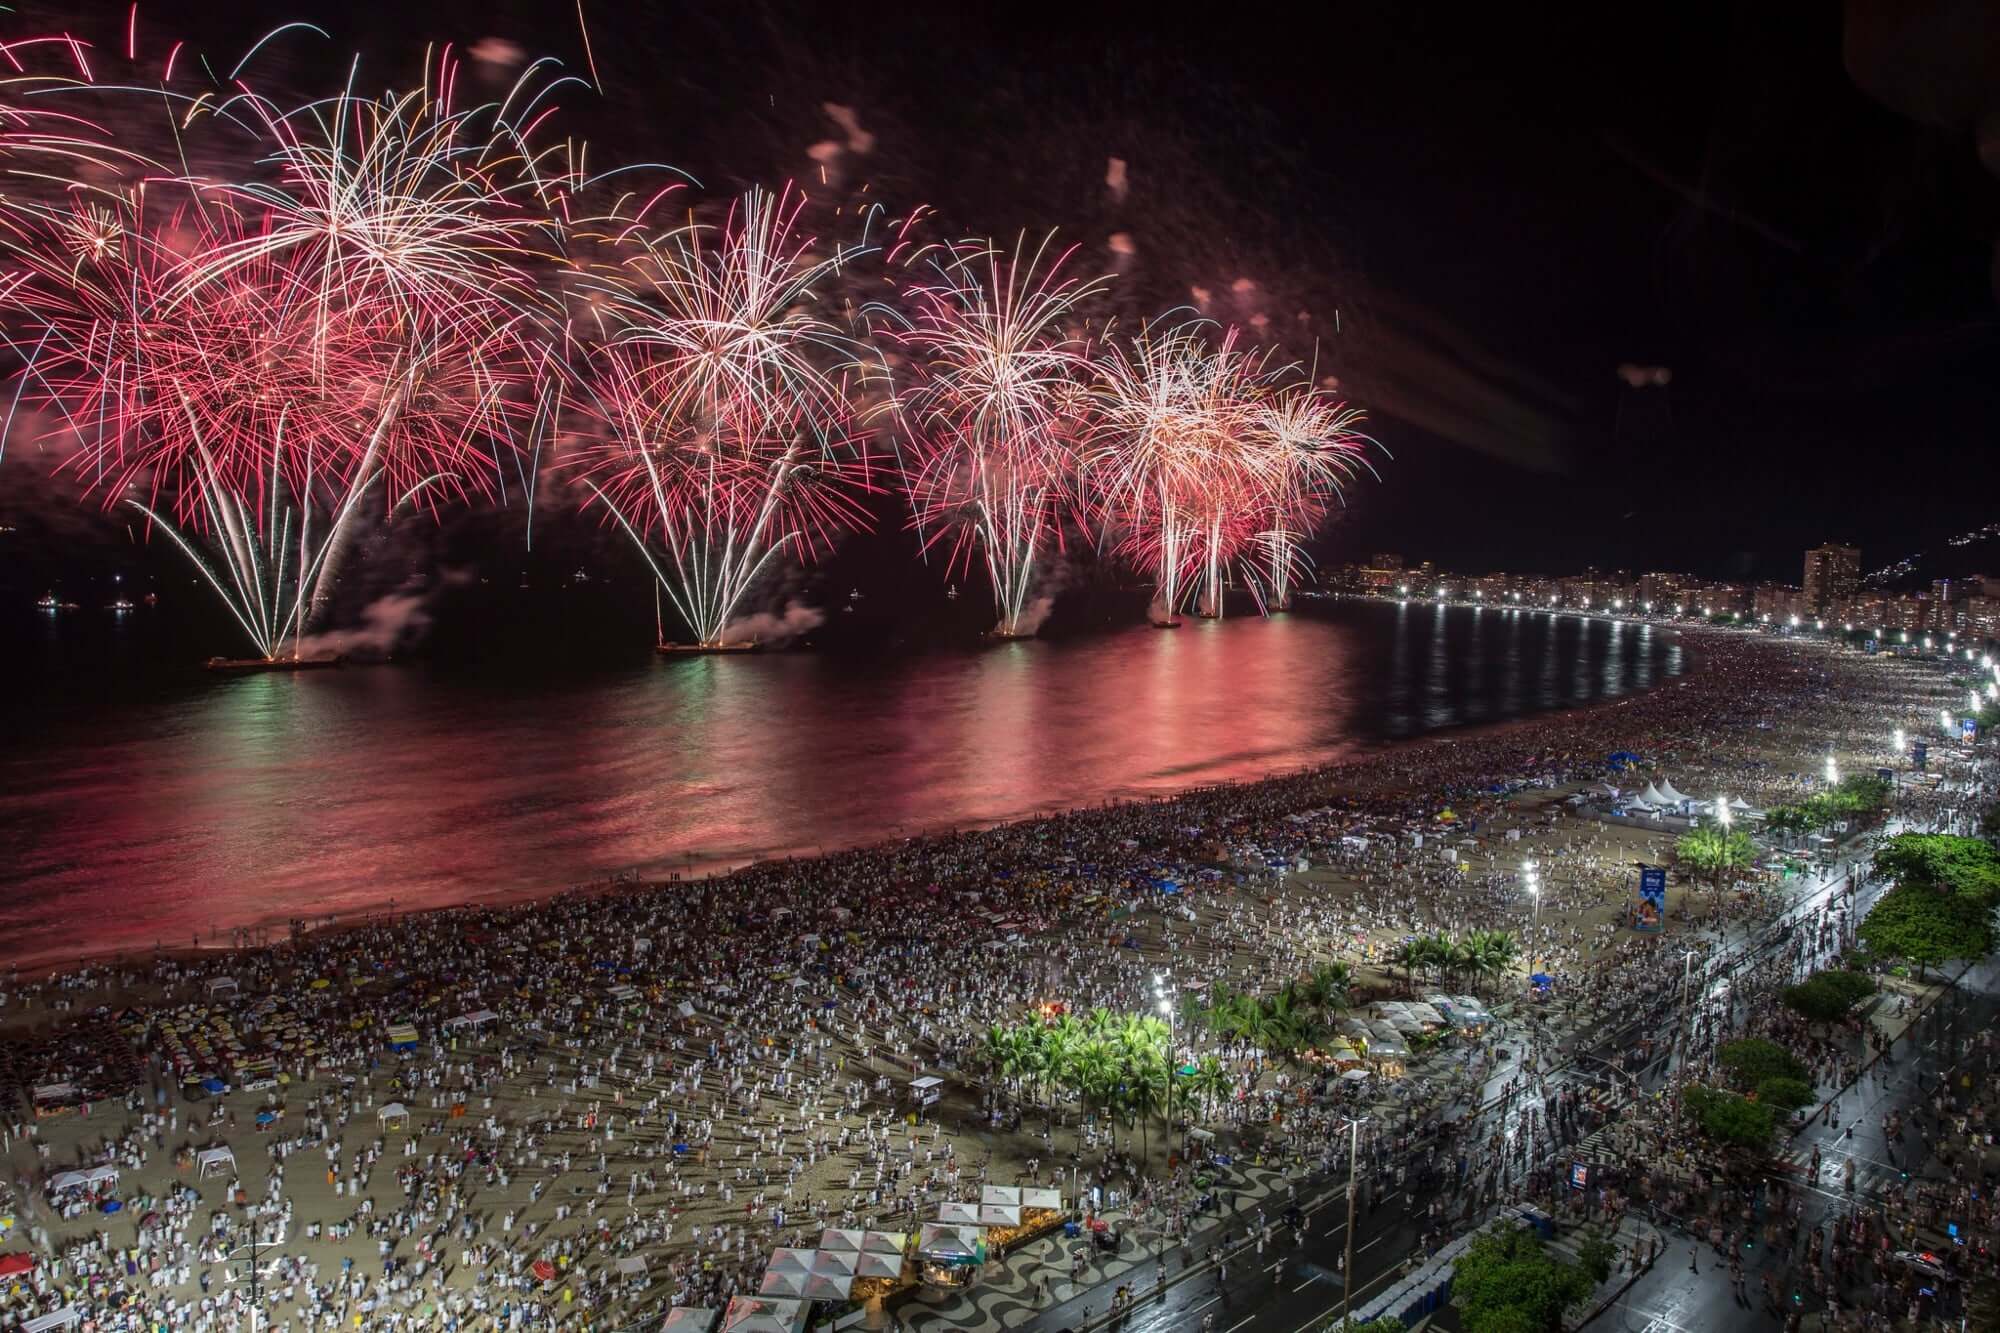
466, 1119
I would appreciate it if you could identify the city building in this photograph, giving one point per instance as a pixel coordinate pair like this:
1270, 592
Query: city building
1832, 575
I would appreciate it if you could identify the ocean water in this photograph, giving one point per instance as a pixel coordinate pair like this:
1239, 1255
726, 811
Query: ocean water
155, 806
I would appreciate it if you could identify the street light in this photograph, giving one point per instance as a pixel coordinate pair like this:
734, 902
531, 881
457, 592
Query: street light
1832, 771
1347, 1264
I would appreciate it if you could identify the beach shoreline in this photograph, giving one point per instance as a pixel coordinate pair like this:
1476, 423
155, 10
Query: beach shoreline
238, 937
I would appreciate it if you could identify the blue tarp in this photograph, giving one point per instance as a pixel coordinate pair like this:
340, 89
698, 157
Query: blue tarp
214, 1085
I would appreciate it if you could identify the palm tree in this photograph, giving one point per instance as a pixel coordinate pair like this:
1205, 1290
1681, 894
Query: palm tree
1211, 1082
1325, 990
1409, 955
1094, 1072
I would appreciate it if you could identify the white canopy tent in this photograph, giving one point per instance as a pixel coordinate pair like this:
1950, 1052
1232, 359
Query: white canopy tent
67, 1317
690, 1319
763, 1314
1668, 796
86, 1178
785, 1260
879, 1265
953, 1213
786, 1286
217, 985
1651, 796
941, 1239
1000, 1205
475, 1020
218, 1158
393, 1111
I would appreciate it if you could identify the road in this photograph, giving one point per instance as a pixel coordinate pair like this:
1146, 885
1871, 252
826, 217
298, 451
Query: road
1672, 1298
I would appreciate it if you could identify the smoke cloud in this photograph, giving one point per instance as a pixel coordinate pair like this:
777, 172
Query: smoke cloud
393, 621
772, 629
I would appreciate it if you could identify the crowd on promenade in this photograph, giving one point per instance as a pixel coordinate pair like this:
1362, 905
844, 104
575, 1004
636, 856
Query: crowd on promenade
483, 1111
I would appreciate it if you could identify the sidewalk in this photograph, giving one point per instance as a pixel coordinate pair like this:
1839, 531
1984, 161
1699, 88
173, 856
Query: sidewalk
1633, 1237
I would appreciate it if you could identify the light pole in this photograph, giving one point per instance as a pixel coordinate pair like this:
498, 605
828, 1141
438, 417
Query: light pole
1347, 1264
1687, 1008
1161, 981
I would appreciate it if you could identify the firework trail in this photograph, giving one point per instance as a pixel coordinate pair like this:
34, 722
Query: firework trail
730, 435
993, 413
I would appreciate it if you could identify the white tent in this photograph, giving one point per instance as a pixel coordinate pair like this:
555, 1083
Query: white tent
67, 1317
788, 1286
841, 1241
829, 1286
217, 985
631, 1265
1652, 796
690, 1319
219, 1158
475, 1020
832, 1275
1041, 1198
790, 1261
762, 1314
958, 1214
393, 1111
999, 1215
1668, 795
83, 1179
945, 1241
879, 1265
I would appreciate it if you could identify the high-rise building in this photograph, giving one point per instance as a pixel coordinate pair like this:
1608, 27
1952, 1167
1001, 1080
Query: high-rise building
1832, 574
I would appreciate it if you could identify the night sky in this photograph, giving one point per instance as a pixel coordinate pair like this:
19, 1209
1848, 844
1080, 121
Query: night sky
1480, 220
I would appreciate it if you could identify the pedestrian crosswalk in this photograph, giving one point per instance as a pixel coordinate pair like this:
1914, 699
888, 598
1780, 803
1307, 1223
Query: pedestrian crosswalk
1872, 1177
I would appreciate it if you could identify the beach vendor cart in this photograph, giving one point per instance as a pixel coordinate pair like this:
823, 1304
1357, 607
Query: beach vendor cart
926, 1091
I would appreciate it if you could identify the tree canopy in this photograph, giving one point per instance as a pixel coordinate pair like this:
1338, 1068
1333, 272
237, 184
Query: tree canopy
1927, 927
1827, 996
1506, 1282
1731, 1120
1751, 1060
1943, 863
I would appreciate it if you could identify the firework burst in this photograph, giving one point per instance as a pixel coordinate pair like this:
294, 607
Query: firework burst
245, 362
729, 431
992, 416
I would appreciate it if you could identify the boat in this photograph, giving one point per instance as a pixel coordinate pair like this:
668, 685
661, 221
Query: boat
699, 649
247, 665
47, 602
1174, 623
121, 606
